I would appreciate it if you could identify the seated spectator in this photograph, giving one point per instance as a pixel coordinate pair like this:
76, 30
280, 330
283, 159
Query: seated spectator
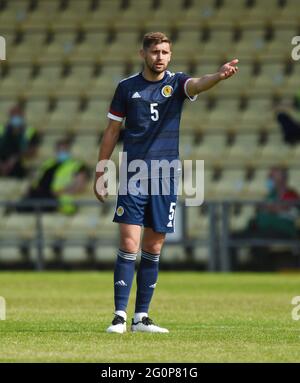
17, 142
58, 180
272, 220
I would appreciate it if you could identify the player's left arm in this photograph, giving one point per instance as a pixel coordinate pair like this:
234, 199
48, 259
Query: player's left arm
197, 85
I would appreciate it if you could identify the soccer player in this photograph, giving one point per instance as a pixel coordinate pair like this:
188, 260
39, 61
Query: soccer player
150, 102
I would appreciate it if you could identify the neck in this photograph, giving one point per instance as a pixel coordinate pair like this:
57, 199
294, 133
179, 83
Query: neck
152, 76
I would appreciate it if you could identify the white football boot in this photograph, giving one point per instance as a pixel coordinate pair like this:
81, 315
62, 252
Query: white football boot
118, 325
146, 325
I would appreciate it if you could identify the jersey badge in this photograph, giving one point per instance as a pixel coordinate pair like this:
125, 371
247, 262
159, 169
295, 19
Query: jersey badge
167, 91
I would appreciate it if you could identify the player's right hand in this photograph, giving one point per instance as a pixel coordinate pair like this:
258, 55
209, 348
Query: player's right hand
100, 187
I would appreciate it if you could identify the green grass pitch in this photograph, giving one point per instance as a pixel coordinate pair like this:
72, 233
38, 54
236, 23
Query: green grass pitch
62, 317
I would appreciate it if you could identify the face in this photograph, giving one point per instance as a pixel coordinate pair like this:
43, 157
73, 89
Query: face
277, 175
16, 123
157, 57
62, 152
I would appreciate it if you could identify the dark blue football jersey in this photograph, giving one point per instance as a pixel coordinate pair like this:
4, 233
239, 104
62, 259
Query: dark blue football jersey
152, 112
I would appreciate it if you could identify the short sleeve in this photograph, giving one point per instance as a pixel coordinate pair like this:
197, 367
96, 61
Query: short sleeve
183, 80
117, 110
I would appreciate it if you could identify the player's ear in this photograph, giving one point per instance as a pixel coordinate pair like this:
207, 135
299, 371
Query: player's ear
142, 53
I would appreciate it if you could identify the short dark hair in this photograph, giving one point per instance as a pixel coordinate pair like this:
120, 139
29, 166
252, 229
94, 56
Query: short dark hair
65, 141
155, 38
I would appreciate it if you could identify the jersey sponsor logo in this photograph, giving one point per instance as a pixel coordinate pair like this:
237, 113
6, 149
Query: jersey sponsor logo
167, 91
120, 211
136, 95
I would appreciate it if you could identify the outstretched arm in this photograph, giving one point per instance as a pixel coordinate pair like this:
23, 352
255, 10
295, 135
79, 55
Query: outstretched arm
197, 85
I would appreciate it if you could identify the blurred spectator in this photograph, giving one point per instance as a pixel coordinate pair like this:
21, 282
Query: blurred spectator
290, 128
287, 115
272, 220
58, 180
17, 142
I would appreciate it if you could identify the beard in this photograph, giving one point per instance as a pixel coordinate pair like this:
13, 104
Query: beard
155, 70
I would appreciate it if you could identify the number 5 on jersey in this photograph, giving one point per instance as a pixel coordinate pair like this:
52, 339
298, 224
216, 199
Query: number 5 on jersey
154, 112
171, 215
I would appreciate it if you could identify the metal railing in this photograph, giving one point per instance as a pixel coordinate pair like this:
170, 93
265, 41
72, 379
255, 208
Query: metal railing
218, 241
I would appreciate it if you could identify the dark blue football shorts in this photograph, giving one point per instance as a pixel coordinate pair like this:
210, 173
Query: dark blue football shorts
149, 203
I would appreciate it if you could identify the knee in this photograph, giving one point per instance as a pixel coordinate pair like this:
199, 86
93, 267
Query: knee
129, 245
153, 248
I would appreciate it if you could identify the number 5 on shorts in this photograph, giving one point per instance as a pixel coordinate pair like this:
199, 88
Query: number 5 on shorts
171, 215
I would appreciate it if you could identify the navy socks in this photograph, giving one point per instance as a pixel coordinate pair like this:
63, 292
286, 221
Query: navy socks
146, 281
123, 277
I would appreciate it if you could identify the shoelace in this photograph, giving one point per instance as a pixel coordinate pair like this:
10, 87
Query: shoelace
118, 320
147, 321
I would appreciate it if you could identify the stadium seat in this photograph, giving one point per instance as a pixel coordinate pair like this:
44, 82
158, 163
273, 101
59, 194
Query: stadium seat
201, 254
57, 117
172, 253
61, 47
79, 148
256, 188
12, 189
252, 44
136, 14
207, 150
197, 223
74, 254
93, 119
92, 47
45, 14
18, 226
106, 253
231, 12
77, 82
47, 82
230, 185
14, 14
17, 82
10, 254
75, 14
294, 178
264, 11
244, 150
187, 44
241, 220
104, 15
55, 225
48, 254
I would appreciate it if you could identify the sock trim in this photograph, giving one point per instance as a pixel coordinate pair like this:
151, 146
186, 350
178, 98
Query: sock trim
150, 256
127, 256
